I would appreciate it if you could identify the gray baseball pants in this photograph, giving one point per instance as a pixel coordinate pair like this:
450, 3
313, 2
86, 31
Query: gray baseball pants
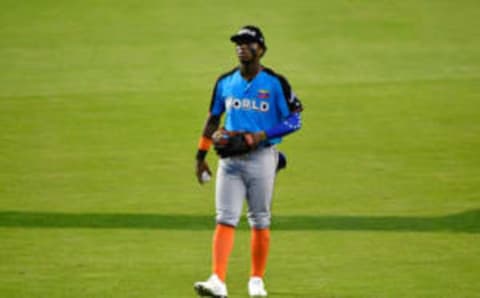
247, 177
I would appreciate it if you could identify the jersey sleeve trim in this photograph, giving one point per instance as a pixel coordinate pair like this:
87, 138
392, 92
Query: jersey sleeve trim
293, 102
214, 92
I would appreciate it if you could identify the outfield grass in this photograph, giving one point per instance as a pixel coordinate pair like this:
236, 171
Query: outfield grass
102, 103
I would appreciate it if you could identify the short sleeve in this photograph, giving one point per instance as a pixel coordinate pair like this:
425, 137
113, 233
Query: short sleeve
217, 104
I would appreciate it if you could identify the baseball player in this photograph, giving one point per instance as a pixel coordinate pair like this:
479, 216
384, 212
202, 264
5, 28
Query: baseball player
260, 108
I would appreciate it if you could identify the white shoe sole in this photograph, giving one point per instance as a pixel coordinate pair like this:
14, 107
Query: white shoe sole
204, 292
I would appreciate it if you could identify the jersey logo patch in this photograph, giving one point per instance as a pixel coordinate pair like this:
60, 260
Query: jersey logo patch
263, 94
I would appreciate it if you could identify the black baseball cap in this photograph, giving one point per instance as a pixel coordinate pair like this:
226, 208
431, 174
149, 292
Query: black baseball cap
249, 33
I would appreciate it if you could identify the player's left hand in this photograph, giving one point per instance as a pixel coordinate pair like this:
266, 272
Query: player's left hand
231, 143
254, 139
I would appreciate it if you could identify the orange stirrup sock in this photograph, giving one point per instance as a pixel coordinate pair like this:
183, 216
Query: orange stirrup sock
221, 249
260, 244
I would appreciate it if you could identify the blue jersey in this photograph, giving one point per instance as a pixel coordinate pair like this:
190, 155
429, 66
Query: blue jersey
259, 104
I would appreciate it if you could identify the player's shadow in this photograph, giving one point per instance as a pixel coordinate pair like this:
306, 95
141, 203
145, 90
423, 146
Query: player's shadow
466, 222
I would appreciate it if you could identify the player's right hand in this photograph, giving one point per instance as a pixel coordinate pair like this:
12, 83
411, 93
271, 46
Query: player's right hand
200, 167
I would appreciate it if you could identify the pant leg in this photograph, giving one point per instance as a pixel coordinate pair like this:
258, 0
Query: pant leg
260, 183
230, 192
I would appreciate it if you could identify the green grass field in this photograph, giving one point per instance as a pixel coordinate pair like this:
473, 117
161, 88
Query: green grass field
102, 103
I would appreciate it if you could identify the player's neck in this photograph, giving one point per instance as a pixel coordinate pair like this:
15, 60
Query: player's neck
250, 70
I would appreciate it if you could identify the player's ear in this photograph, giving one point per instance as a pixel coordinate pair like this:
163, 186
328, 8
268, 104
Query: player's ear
261, 51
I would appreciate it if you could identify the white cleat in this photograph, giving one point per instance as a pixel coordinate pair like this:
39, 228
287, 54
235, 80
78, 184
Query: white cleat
213, 287
256, 287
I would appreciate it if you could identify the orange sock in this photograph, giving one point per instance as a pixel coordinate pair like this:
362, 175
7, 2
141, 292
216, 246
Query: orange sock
260, 243
221, 249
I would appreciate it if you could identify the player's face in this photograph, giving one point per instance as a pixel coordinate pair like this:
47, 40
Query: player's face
248, 51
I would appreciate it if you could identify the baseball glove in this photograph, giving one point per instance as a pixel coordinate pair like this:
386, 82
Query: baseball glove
231, 143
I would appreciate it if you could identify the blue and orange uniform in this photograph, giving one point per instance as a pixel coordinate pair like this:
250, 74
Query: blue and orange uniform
263, 104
